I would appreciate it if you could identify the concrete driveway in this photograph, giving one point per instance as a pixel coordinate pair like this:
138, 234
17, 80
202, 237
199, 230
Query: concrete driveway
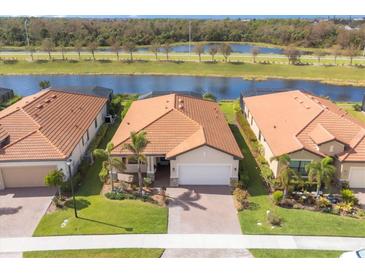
202, 209
22, 208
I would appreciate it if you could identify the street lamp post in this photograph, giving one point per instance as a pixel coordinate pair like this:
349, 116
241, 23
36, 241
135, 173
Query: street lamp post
69, 162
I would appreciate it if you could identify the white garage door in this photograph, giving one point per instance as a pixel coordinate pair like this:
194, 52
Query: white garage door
204, 174
26, 176
357, 177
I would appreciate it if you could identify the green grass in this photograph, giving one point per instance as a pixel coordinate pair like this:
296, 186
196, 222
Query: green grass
96, 253
294, 221
349, 107
336, 75
294, 253
99, 215
9, 102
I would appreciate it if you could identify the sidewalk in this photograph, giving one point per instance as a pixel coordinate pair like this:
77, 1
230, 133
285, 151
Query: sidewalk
193, 241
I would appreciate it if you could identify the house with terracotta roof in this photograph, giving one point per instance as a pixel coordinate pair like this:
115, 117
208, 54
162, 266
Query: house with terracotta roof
190, 140
307, 127
42, 131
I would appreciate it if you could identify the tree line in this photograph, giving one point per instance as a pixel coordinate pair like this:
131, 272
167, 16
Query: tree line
76, 32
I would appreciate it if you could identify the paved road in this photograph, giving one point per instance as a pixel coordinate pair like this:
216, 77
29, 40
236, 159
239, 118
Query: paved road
178, 241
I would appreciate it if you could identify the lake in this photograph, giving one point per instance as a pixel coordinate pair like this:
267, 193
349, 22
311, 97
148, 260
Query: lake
222, 87
182, 48
236, 47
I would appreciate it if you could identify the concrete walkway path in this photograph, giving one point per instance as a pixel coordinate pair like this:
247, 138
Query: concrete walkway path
177, 241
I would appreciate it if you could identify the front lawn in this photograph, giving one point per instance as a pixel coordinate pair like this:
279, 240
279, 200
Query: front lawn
294, 221
97, 253
98, 215
294, 253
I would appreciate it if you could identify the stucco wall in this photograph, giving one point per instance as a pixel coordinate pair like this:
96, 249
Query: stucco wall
204, 155
336, 146
343, 169
76, 155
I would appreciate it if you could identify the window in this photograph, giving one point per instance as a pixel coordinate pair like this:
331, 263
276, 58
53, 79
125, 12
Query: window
87, 135
259, 135
82, 140
96, 122
251, 120
299, 166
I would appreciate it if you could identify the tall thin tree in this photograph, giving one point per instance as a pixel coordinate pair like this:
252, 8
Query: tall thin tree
199, 49
92, 46
155, 48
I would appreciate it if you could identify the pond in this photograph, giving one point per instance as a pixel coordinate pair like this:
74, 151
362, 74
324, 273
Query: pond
222, 87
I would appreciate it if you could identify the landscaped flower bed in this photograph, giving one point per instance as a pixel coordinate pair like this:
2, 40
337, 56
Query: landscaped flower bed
344, 204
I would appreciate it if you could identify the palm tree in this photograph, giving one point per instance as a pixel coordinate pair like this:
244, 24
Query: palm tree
155, 48
130, 47
321, 172
167, 49
116, 47
137, 146
199, 49
92, 47
213, 50
286, 174
78, 48
109, 163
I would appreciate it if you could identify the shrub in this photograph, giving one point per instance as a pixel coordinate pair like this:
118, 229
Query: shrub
266, 173
147, 181
84, 167
114, 195
344, 208
323, 202
277, 196
273, 219
348, 196
240, 195
345, 184
357, 107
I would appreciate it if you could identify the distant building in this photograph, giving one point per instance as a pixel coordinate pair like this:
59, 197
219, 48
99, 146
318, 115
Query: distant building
88, 90
6, 94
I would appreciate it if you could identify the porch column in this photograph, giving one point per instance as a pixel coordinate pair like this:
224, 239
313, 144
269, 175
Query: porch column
151, 167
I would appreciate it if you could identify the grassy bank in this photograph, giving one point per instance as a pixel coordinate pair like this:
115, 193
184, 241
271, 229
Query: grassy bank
336, 75
294, 253
96, 253
349, 107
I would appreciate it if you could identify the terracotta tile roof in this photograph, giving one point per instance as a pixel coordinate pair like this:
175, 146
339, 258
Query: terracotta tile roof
47, 125
176, 124
320, 135
294, 120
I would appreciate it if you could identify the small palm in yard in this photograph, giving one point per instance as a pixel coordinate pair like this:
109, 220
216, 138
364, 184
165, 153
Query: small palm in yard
321, 172
286, 174
55, 178
110, 163
137, 146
